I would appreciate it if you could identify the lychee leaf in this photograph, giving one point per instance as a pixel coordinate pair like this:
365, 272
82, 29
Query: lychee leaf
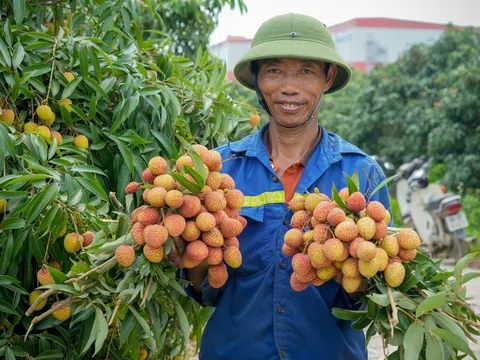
348, 314
338, 199
352, 186
102, 330
455, 341
462, 263
380, 299
413, 341
361, 323
198, 164
382, 184
58, 276
434, 348
193, 188
199, 179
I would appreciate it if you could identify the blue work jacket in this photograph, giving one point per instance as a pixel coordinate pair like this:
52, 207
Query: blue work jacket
257, 314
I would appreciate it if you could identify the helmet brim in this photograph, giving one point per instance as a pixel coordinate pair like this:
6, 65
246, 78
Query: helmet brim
292, 49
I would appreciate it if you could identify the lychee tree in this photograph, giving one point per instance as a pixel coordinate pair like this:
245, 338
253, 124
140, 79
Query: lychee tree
88, 97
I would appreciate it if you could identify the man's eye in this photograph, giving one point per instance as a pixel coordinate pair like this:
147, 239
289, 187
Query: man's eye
274, 71
307, 71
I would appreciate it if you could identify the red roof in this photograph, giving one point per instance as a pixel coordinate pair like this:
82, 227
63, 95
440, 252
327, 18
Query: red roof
232, 38
386, 23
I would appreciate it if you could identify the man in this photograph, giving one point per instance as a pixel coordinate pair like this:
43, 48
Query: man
292, 62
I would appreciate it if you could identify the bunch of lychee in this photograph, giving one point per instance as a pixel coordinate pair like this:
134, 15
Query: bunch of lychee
208, 221
329, 242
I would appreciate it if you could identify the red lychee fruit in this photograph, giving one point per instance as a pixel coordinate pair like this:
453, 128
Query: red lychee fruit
137, 233
346, 231
154, 255
197, 250
215, 202
148, 177
217, 275
191, 231
175, 224
336, 216
231, 228
232, 257
227, 182
213, 238
234, 199
215, 256
125, 255
376, 210
321, 211
148, 216
300, 219
155, 235
301, 264
157, 165
408, 239
205, 221
293, 238
190, 207
296, 284
356, 202
132, 187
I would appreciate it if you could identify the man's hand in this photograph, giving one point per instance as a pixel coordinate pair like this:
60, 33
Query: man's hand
176, 253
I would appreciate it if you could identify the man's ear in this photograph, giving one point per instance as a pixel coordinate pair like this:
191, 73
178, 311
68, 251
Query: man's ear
332, 72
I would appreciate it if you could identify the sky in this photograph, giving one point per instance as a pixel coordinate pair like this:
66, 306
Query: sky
459, 12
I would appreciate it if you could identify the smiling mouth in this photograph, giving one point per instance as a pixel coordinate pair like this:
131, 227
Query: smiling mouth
290, 106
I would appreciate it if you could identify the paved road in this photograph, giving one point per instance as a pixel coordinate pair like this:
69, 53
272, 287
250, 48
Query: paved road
375, 349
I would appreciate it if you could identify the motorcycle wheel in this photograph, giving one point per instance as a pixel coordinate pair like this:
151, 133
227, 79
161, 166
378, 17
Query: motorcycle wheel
459, 248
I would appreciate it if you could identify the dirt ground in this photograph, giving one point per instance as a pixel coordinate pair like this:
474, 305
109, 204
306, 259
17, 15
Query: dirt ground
375, 349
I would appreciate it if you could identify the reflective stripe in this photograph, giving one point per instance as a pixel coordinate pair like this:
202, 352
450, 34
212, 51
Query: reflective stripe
273, 197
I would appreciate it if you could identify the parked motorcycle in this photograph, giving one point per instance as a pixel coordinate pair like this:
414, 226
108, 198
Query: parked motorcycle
436, 215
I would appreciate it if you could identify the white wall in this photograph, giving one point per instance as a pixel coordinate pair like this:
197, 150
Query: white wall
380, 45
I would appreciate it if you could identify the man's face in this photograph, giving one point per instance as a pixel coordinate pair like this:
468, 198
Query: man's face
292, 87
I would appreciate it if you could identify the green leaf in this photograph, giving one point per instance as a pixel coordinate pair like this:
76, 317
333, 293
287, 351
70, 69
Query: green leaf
413, 341
199, 180
102, 329
430, 303
58, 276
93, 186
18, 55
7, 308
92, 83
454, 340
348, 314
380, 299
5, 53
127, 326
126, 154
469, 276
5, 258
50, 354
19, 11
462, 263
361, 323
141, 321
63, 288
193, 188
70, 88
338, 199
447, 323
41, 201
87, 169
434, 348
352, 186
130, 105
167, 144
11, 223
182, 317
83, 62
382, 184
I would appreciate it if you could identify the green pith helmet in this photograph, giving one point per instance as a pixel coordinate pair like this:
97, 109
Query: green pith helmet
293, 36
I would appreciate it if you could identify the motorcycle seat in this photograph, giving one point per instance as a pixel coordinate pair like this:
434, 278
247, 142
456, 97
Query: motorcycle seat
435, 200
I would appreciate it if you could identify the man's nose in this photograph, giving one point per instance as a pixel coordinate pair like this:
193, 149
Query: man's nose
291, 84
